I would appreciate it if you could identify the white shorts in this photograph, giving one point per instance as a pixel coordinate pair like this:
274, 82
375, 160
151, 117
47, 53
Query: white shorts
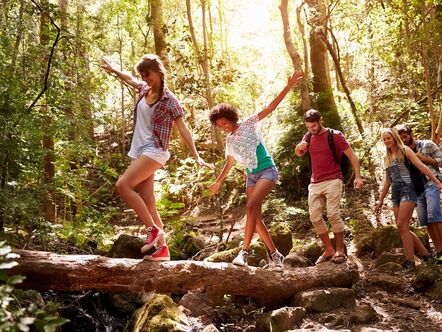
157, 154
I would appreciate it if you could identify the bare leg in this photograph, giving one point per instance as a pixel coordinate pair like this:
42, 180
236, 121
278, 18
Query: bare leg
403, 215
329, 250
139, 170
255, 197
339, 238
147, 193
435, 232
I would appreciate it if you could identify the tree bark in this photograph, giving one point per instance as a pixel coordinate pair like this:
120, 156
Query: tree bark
294, 56
48, 139
338, 69
324, 98
201, 56
156, 9
45, 270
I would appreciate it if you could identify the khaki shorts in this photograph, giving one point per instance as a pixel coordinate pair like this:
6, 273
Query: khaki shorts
321, 196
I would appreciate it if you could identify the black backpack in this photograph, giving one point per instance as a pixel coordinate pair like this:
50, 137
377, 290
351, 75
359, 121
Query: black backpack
417, 177
341, 160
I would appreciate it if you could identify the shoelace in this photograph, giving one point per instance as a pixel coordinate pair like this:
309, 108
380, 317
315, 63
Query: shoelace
149, 235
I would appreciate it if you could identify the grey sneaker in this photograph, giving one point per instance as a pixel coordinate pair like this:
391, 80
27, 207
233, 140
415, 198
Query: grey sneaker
276, 261
241, 259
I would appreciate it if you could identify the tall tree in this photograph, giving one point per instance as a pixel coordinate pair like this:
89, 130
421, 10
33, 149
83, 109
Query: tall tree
202, 56
48, 139
322, 88
294, 56
156, 11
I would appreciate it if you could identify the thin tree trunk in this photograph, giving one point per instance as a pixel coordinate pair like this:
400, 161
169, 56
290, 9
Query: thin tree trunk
201, 56
354, 111
294, 56
322, 88
304, 41
48, 140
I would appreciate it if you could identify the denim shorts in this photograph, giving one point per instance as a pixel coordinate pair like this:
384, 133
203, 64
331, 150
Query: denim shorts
269, 173
428, 205
402, 192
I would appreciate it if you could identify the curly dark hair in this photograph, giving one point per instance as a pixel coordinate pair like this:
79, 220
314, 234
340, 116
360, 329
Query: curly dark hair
223, 110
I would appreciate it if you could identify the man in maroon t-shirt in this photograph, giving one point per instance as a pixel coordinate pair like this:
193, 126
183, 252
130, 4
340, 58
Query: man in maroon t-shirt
326, 183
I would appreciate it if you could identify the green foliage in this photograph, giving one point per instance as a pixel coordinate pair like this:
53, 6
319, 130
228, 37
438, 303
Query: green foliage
15, 318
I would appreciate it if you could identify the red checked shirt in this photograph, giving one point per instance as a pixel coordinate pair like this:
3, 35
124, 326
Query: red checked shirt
167, 109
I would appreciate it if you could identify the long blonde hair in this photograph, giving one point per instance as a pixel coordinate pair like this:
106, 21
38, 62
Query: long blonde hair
400, 154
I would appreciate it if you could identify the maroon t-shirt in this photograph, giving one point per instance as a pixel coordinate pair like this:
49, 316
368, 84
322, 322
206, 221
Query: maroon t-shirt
324, 166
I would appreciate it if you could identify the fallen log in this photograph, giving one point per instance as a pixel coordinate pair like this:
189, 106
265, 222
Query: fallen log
50, 271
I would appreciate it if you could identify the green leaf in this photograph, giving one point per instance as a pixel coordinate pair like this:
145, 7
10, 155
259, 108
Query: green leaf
8, 265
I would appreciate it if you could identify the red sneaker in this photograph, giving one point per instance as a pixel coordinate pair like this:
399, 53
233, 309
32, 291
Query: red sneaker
161, 254
153, 235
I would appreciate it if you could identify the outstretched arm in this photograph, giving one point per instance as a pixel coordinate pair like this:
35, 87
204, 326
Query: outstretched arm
187, 137
128, 79
214, 188
292, 81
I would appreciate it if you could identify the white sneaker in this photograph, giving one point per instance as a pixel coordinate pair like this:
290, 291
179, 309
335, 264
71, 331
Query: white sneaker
241, 259
276, 261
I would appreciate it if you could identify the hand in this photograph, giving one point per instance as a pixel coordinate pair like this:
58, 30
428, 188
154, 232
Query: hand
302, 147
294, 79
201, 162
214, 188
378, 207
357, 183
107, 66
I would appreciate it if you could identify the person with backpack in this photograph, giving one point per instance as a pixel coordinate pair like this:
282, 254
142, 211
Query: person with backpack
399, 161
428, 208
326, 148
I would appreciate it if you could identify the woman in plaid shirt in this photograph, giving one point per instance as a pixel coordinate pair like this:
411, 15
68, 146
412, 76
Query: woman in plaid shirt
155, 113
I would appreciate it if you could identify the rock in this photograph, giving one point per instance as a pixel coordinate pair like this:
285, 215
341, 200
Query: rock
323, 300
161, 314
312, 251
198, 304
125, 302
386, 282
385, 239
127, 246
363, 314
390, 267
210, 328
364, 244
282, 237
192, 244
281, 319
425, 275
435, 292
295, 260
257, 252
387, 257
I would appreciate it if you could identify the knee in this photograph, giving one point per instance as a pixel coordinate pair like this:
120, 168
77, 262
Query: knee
120, 186
252, 205
402, 226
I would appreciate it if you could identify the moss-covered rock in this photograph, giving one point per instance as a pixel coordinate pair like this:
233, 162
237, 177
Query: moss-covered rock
386, 238
312, 251
425, 276
323, 300
160, 314
279, 320
127, 246
282, 237
257, 253
435, 292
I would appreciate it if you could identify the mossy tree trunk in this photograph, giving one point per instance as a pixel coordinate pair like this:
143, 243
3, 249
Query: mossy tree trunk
322, 88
